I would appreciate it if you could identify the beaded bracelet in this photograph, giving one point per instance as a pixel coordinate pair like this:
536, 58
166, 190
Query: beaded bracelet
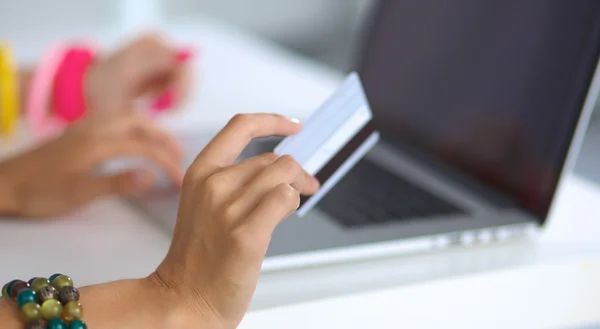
54, 300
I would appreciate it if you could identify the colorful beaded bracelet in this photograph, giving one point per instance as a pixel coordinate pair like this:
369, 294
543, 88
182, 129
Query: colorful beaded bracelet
54, 300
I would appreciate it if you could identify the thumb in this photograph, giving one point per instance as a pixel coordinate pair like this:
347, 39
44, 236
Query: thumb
149, 63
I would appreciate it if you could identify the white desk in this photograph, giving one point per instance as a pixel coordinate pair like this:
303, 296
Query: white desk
110, 241
561, 295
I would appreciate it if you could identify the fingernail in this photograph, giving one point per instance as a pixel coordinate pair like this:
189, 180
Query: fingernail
294, 120
315, 181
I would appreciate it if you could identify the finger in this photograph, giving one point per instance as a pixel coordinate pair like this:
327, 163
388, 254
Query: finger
242, 173
285, 170
278, 204
156, 87
164, 159
146, 60
229, 143
112, 127
230, 180
183, 82
147, 130
138, 126
154, 56
134, 135
127, 183
135, 148
178, 81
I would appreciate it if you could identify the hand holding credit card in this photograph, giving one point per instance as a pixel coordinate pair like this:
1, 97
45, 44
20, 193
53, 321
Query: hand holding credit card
334, 138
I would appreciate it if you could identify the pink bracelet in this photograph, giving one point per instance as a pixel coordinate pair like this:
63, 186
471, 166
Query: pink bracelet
69, 94
38, 115
166, 100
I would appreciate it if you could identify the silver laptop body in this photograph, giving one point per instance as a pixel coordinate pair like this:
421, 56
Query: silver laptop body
482, 108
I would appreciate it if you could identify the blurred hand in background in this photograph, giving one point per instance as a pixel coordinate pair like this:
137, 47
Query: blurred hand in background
62, 175
143, 68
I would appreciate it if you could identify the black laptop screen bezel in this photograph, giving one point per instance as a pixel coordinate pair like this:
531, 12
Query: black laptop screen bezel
579, 96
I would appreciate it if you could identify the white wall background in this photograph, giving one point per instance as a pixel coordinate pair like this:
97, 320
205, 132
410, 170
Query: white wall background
319, 28
322, 29
40, 14
310, 25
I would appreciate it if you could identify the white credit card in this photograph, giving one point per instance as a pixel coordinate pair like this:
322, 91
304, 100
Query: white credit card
334, 138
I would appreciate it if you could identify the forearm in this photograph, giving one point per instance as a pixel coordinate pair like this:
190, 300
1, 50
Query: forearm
117, 305
8, 195
14, 172
25, 78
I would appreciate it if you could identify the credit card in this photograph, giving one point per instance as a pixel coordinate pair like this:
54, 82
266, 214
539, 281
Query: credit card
333, 139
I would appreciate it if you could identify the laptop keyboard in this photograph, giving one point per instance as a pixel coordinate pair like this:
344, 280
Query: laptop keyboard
369, 195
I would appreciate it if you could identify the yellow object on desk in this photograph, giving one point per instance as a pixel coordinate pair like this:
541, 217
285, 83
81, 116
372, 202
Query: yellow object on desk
9, 91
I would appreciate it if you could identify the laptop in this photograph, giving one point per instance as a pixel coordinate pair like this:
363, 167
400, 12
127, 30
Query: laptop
481, 107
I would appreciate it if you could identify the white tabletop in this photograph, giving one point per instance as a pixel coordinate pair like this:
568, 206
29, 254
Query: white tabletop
110, 241
560, 295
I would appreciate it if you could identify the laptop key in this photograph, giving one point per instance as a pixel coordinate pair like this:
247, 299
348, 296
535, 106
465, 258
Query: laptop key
375, 213
370, 195
344, 214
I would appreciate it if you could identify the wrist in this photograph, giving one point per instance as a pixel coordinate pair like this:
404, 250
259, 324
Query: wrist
95, 82
185, 312
25, 78
175, 314
10, 316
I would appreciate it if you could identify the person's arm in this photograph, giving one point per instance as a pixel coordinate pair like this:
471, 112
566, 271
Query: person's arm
8, 198
62, 174
139, 303
25, 77
146, 66
227, 214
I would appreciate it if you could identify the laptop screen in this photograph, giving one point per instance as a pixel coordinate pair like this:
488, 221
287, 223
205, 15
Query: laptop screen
490, 88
